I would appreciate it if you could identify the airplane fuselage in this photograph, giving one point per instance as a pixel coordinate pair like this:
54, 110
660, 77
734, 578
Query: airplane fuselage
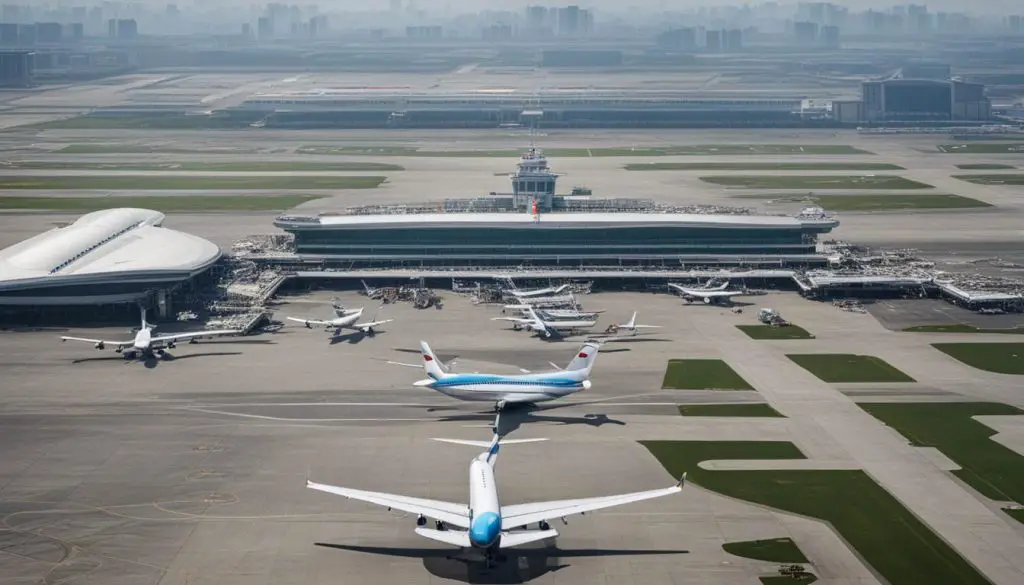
485, 512
529, 388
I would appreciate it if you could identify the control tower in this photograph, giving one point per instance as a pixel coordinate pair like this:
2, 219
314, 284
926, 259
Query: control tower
533, 181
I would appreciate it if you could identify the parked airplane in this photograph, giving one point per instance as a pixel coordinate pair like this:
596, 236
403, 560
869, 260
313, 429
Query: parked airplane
708, 295
547, 328
373, 293
344, 319
531, 293
526, 388
549, 302
485, 525
145, 343
631, 325
556, 314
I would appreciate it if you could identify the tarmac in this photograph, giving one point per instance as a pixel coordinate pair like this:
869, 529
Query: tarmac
190, 470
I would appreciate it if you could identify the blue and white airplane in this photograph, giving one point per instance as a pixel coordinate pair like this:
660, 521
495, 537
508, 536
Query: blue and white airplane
527, 388
485, 525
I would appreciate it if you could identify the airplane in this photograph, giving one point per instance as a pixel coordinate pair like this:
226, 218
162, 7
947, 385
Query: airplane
631, 325
485, 525
537, 292
528, 388
537, 302
373, 293
708, 295
146, 344
556, 314
345, 319
547, 328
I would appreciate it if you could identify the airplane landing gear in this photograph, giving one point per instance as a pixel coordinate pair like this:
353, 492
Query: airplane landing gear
440, 526
544, 525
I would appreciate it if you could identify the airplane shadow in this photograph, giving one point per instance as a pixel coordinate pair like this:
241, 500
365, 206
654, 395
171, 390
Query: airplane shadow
152, 362
512, 419
515, 566
353, 338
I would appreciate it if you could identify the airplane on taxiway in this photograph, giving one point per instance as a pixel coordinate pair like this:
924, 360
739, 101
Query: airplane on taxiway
548, 327
146, 343
485, 525
344, 319
527, 388
631, 325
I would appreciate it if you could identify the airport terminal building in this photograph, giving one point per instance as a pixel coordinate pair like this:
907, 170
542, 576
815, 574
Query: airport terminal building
534, 227
115, 256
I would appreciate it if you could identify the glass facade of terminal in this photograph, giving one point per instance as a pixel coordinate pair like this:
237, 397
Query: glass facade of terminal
532, 243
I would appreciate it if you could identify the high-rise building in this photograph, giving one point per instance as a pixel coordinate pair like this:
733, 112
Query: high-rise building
679, 39
49, 32
806, 32
27, 35
732, 40
264, 28
77, 31
8, 34
713, 41
830, 36
569, 21
17, 68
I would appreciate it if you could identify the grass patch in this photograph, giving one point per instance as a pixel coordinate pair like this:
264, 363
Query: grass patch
191, 183
773, 550
755, 409
889, 538
841, 368
985, 167
961, 328
785, 580
994, 470
154, 122
148, 149
772, 332
1001, 358
255, 166
883, 202
815, 182
696, 150
695, 374
1007, 179
1015, 513
197, 203
982, 148
763, 166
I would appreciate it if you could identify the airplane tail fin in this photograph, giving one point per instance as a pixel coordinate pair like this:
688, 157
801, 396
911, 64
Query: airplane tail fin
143, 318
584, 359
632, 321
492, 446
431, 365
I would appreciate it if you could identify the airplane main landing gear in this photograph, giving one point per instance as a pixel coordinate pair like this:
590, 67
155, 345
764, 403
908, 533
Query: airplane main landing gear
440, 526
421, 521
544, 525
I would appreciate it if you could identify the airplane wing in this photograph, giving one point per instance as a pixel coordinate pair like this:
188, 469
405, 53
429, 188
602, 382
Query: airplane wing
646, 326
371, 324
512, 319
523, 514
513, 539
449, 513
103, 341
453, 537
195, 335
724, 293
310, 321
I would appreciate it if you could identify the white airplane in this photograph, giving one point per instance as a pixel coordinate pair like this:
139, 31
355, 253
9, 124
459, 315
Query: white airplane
505, 390
373, 293
531, 293
556, 314
485, 525
708, 295
145, 343
547, 328
345, 319
538, 302
631, 325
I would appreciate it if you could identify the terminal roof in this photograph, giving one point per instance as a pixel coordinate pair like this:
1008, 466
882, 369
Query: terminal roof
560, 218
116, 241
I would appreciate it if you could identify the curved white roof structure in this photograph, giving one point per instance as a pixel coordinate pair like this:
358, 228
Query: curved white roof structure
103, 255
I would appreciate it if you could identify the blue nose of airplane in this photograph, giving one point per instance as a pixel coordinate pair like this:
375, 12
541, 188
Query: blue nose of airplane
485, 529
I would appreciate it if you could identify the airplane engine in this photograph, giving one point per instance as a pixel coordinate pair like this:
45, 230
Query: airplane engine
707, 300
421, 521
170, 345
308, 326
99, 345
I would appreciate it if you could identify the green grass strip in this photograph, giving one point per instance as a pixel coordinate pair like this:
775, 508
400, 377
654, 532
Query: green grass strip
838, 368
886, 535
742, 409
999, 358
167, 204
702, 374
191, 183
